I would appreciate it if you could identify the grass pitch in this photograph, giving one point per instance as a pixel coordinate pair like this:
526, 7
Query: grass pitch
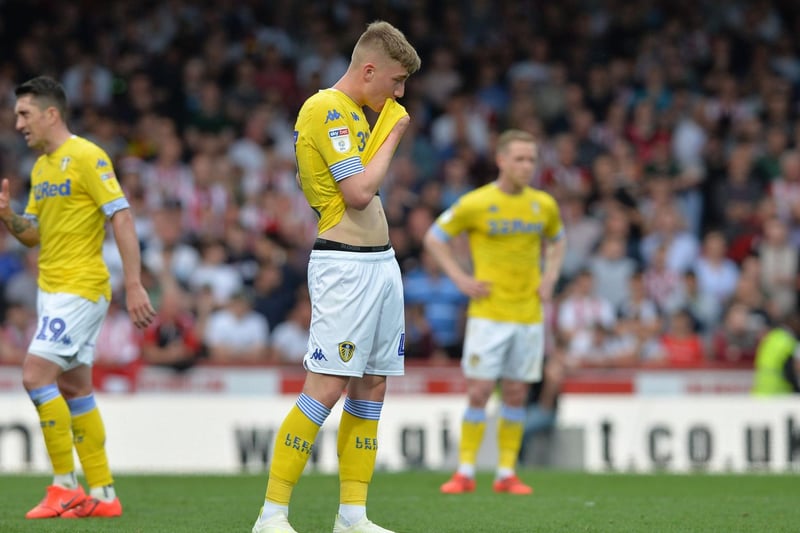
411, 503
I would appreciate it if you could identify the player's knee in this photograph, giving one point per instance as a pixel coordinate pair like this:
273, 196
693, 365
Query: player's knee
71, 389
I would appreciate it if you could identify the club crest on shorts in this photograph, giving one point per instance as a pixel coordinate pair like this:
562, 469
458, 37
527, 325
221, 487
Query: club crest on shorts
473, 360
346, 350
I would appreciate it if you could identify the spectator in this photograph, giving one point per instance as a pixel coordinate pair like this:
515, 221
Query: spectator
583, 233
735, 198
777, 365
443, 304
581, 310
601, 347
681, 346
117, 353
785, 189
171, 340
237, 334
662, 285
735, 341
768, 164
18, 328
167, 253
716, 274
612, 271
212, 271
564, 177
779, 266
274, 292
639, 317
703, 307
682, 247
289, 339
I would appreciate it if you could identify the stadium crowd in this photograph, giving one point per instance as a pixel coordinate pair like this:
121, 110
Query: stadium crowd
667, 131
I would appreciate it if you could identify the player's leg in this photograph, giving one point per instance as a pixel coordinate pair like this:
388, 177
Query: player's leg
485, 343
510, 430
357, 448
88, 430
89, 436
39, 379
293, 445
523, 366
473, 427
357, 443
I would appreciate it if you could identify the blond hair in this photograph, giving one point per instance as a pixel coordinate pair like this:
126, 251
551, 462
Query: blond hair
383, 37
509, 136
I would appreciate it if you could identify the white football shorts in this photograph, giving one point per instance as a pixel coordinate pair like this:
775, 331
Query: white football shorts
494, 350
357, 318
67, 328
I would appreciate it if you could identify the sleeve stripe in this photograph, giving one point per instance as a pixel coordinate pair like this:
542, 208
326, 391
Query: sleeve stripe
348, 167
115, 205
558, 236
439, 233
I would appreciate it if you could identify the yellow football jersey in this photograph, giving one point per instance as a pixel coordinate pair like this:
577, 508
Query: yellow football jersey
73, 190
330, 135
505, 234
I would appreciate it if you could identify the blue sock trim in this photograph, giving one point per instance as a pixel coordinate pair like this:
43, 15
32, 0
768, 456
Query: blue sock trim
512, 414
315, 411
44, 394
365, 409
82, 405
473, 414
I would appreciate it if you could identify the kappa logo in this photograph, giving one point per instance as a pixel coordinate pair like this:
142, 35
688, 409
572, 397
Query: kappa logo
101, 163
332, 115
346, 350
317, 355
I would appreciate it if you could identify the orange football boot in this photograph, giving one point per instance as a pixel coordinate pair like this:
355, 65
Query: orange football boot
92, 507
458, 484
512, 485
57, 501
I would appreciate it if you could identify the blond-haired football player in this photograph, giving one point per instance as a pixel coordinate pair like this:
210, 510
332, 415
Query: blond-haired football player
512, 228
357, 324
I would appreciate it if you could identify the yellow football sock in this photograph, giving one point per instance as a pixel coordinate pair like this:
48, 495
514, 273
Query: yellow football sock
357, 446
471, 438
90, 441
510, 430
509, 441
54, 418
293, 448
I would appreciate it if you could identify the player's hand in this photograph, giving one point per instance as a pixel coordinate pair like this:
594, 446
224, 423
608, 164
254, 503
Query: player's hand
546, 289
139, 307
402, 124
5, 198
473, 288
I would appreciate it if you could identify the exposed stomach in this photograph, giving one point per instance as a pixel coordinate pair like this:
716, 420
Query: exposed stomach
366, 227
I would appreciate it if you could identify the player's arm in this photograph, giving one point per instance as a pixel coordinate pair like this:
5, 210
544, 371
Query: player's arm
22, 228
437, 243
136, 298
554, 252
358, 190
